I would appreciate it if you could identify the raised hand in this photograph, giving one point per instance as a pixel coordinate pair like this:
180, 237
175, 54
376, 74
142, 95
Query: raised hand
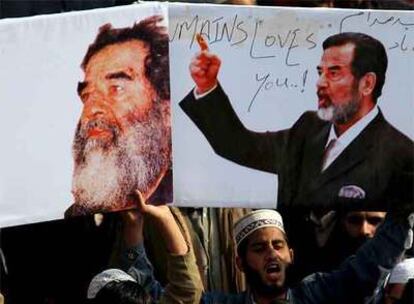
143, 207
165, 221
204, 67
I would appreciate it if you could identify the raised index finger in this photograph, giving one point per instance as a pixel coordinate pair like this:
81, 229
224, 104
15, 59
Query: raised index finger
202, 42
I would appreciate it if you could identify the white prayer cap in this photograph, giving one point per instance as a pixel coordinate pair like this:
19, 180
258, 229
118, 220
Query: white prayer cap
101, 279
256, 220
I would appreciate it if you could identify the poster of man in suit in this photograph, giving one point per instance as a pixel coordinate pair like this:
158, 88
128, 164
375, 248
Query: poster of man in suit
344, 153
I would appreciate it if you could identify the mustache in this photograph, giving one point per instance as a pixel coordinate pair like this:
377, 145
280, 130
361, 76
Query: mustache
82, 139
98, 123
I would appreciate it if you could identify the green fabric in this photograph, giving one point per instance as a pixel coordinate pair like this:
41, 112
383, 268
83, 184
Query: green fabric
184, 285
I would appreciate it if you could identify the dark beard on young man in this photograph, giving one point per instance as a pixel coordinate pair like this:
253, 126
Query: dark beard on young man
257, 285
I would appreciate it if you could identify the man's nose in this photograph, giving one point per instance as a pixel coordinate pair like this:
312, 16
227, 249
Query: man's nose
95, 105
272, 253
367, 229
321, 82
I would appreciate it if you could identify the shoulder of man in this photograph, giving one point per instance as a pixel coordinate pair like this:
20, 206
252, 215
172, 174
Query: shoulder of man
389, 131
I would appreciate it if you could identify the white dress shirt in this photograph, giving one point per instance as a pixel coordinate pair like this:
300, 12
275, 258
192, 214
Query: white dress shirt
343, 141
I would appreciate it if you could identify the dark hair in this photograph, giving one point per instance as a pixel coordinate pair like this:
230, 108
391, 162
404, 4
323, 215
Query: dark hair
148, 31
125, 292
369, 56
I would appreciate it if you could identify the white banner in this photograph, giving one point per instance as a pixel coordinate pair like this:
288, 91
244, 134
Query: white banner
269, 71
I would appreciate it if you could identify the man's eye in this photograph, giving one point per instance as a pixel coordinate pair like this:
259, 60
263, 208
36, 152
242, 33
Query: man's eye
334, 74
116, 89
258, 249
375, 221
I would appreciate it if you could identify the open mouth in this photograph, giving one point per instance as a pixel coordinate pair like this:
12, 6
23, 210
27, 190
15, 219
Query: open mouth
273, 268
323, 100
273, 273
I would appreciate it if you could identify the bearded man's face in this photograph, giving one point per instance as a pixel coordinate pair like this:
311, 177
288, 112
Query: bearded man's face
266, 261
123, 139
338, 91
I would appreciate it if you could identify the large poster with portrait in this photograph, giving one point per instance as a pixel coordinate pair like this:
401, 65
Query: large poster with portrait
292, 107
265, 107
85, 101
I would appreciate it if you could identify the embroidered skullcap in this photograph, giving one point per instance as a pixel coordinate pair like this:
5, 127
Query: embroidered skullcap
105, 277
256, 220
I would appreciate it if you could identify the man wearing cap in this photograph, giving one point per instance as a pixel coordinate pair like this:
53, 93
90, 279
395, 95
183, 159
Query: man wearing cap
264, 255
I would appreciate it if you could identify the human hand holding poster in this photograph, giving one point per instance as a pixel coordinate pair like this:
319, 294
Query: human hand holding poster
268, 78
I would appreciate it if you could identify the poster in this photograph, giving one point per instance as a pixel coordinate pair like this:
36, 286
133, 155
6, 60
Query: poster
74, 103
270, 59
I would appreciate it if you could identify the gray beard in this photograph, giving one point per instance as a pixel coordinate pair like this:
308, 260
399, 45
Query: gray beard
340, 114
107, 175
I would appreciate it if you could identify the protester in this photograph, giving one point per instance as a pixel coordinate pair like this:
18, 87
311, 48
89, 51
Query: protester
136, 285
211, 237
353, 229
265, 256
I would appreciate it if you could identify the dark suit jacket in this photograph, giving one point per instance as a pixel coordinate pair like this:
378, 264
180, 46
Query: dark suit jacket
379, 161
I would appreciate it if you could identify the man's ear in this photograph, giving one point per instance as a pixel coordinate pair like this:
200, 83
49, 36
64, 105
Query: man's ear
239, 263
292, 255
367, 83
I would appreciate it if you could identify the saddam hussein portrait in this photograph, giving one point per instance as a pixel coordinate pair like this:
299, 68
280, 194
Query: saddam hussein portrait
122, 141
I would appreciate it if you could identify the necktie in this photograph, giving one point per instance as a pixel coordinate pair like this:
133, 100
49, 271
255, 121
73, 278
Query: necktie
326, 155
